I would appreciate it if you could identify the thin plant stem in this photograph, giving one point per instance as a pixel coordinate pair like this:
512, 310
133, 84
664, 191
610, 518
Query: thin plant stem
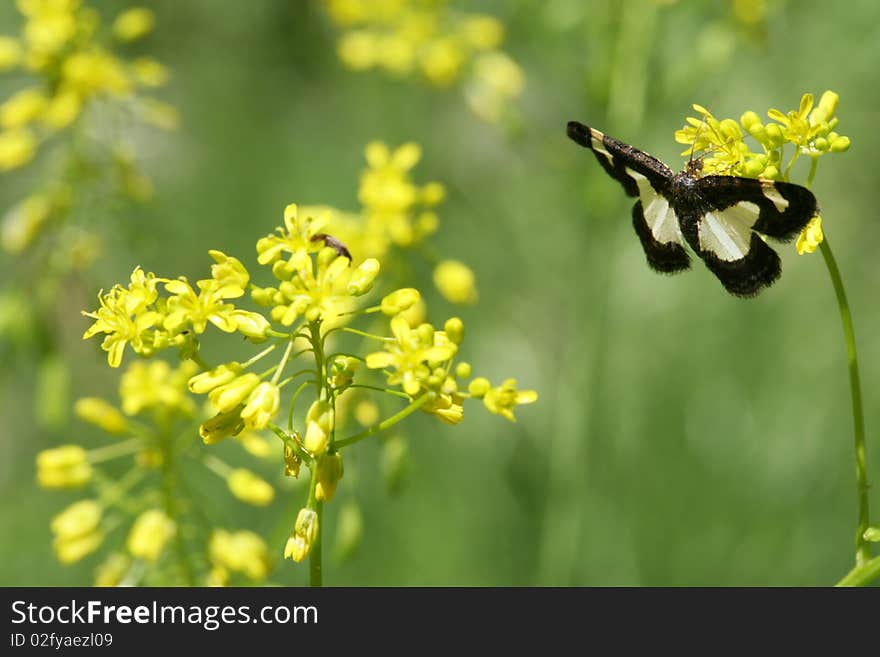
863, 574
863, 549
384, 424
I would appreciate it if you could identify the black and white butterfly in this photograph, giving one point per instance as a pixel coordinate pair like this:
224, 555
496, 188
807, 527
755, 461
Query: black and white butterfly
722, 218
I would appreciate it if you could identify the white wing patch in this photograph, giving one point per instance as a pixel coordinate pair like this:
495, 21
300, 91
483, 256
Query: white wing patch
727, 233
661, 218
772, 194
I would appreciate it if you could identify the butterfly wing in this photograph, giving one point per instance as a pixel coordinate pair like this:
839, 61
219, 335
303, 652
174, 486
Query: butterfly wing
647, 178
736, 213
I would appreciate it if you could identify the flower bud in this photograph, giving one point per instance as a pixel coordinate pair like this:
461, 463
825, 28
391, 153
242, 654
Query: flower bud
101, 413
840, 144
63, 467
133, 24
329, 473
220, 375
479, 387
362, 279
222, 425
305, 532
399, 300
454, 328
319, 424
463, 370
226, 397
261, 406
456, 282
76, 531
149, 534
229, 273
250, 324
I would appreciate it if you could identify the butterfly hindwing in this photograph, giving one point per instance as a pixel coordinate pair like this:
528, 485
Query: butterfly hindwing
783, 209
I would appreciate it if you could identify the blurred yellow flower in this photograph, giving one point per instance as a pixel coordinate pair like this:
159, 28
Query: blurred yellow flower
305, 532
241, 551
23, 223
503, 399
456, 282
76, 531
10, 53
17, 148
134, 24
149, 534
250, 488
102, 414
63, 467
22, 108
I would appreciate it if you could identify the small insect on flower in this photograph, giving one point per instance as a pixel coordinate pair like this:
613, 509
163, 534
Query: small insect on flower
722, 218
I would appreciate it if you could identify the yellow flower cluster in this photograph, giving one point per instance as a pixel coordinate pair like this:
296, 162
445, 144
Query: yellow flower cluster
396, 212
68, 59
322, 284
60, 44
433, 40
147, 390
811, 129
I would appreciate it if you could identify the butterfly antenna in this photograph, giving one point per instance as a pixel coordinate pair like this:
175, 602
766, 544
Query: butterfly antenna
696, 139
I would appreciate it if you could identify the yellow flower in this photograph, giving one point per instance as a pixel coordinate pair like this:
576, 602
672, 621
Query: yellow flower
482, 32
125, 317
76, 531
241, 551
442, 60
94, 72
186, 308
149, 534
411, 356
101, 413
22, 108
503, 399
295, 238
250, 488
316, 291
305, 532
811, 236
50, 24
456, 282
134, 24
17, 148
63, 467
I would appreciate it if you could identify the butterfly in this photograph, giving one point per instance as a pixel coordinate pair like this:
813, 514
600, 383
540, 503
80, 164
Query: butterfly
722, 218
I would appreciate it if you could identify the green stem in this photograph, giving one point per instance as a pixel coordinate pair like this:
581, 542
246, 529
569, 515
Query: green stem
315, 569
171, 502
384, 424
318, 349
390, 391
110, 452
302, 386
283, 363
863, 574
863, 549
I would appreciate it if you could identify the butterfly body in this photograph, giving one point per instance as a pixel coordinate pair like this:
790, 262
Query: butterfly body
724, 219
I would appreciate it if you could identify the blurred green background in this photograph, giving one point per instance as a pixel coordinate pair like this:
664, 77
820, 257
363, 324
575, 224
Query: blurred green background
682, 436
